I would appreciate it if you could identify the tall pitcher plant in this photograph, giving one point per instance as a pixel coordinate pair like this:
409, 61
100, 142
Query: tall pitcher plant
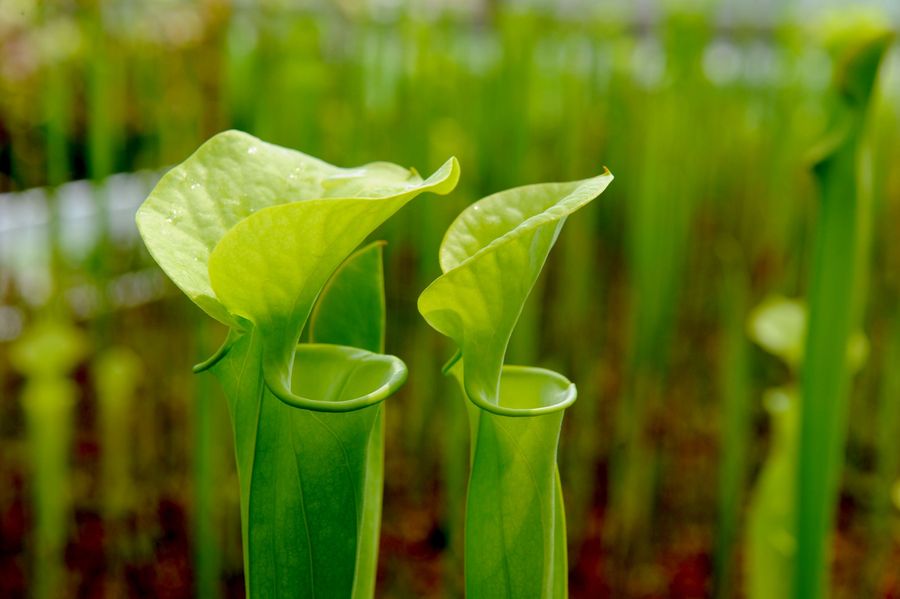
491, 256
837, 283
255, 234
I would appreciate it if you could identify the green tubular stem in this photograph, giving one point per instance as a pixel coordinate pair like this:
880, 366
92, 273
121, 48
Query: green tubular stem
734, 436
48, 404
301, 469
515, 534
834, 310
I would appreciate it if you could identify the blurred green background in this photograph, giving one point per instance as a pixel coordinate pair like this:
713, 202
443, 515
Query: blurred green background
116, 469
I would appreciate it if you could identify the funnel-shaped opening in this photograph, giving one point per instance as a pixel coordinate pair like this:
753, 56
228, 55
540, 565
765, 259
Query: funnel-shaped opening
340, 378
534, 391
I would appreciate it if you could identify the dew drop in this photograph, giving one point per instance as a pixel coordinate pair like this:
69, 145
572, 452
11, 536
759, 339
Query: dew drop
252, 150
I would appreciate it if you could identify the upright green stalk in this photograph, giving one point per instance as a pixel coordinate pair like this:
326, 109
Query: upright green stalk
116, 374
735, 429
56, 100
833, 298
46, 354
253, 233
491, 256
659, 217
101, 85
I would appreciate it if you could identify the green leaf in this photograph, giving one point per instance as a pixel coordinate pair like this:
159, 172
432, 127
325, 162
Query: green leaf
491, 256
234, 175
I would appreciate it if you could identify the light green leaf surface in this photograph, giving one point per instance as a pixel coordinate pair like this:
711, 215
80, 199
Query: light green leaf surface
491, 256
252, 233
234, 175
267, 274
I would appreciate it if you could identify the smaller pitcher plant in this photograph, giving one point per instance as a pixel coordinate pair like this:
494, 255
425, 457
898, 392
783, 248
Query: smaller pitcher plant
46, 355
491, 256
778, 325
253, 233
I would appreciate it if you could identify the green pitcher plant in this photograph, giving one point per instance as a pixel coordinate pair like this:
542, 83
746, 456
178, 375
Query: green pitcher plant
837, 280
778, 325
255, 234
491, 256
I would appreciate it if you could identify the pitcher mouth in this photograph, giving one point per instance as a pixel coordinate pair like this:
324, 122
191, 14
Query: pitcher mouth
337, 378
535, 390
527, 391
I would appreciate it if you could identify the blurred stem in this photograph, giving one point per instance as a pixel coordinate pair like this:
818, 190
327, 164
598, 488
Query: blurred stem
825, 377
888, 463
834, 308
456, 472
100, 86
735, 430
48, 403
57, 110
57, 114
659, 223
115, 374
636, 472
207, 555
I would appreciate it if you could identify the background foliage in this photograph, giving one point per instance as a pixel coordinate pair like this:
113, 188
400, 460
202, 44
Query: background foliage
705, 112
